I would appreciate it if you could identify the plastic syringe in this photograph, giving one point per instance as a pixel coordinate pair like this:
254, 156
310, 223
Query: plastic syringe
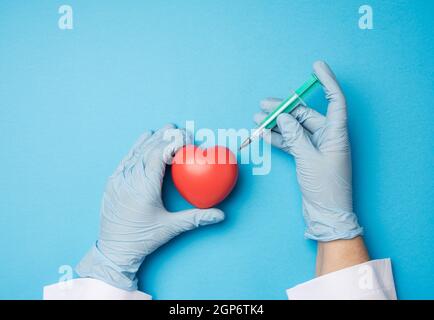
286, 106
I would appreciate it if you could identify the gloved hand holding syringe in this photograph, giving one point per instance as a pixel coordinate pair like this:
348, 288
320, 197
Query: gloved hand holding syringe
285, 106
321, 149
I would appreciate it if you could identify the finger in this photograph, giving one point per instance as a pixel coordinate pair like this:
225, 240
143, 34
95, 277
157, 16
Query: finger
337, 110
193, 218
153, 140
166, 127
139, 147
146, 174
269, 104
309, 118
134, 151
159, 153
175, 139
259, 117
161, 138
295, 139
274, 138
160, 132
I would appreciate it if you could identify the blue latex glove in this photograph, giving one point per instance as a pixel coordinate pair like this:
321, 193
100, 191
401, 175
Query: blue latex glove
321, 148
134, 221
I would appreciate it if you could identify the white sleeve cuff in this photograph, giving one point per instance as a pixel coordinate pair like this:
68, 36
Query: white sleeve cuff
372, 280
90, 289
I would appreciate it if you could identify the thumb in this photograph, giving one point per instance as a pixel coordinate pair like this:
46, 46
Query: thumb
294, 136
337, 109
190, 219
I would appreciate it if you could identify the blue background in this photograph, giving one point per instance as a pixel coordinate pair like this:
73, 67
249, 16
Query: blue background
73, 102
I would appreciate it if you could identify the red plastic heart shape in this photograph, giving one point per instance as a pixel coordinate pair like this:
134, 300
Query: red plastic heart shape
204, 177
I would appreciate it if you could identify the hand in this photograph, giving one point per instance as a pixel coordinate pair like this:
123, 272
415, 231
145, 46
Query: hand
321, 149
134, 221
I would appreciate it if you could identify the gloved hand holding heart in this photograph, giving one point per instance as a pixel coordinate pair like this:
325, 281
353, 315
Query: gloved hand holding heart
204, 177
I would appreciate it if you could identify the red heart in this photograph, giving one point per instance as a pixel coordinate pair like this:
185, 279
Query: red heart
204, 177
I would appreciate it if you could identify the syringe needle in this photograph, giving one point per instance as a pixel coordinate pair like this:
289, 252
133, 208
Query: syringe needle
245, 143
256, 134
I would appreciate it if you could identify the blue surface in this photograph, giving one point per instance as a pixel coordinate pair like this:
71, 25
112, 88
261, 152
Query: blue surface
73, 102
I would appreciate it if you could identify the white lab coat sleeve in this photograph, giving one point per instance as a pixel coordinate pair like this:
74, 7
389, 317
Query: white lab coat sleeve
372, 280
90, 289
